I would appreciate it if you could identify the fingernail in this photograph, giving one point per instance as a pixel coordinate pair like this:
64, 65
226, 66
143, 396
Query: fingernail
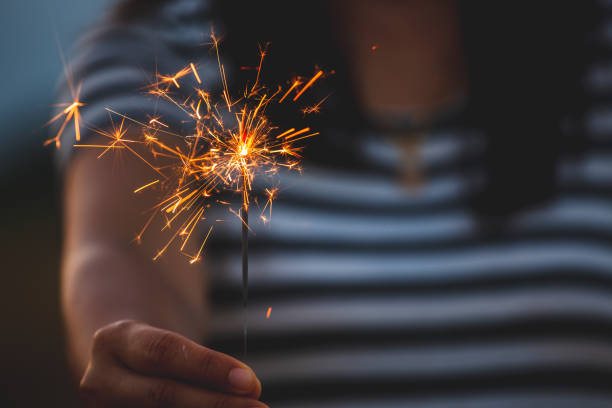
241, 379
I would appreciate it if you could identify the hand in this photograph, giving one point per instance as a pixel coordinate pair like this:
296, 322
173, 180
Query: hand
135, 365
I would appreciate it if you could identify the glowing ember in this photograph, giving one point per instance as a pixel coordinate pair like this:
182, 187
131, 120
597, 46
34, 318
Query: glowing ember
71, 111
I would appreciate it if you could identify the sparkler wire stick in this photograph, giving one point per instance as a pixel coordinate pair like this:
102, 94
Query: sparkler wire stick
245, 272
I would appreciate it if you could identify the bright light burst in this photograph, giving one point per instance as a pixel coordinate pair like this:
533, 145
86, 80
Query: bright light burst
70, 109
233, 141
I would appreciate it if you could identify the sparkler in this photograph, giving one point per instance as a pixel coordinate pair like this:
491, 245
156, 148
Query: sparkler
232, 142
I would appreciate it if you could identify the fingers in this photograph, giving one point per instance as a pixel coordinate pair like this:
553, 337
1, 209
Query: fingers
156, 352
118, 386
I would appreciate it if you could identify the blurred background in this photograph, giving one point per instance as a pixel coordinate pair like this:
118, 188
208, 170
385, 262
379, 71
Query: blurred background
34, 372
34, 369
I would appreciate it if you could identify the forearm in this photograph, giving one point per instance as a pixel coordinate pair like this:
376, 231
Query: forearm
107, 277
105, 283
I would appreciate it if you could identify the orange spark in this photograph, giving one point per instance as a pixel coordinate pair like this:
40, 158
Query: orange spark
294, 134
308, 85
195, 72
285, 133
166, 79
71, 111
314, 109
155, 121
291, 88
146, 185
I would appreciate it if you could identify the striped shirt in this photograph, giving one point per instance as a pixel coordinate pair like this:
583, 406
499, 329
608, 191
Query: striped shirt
382, 294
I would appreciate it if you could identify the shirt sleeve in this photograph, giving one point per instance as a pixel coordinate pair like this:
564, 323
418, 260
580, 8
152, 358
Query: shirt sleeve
114, 62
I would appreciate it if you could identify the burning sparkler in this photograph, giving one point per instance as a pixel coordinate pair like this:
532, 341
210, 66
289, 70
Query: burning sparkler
232, 142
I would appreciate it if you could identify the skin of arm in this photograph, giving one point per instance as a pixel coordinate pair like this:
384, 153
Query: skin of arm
106, 275
133, 325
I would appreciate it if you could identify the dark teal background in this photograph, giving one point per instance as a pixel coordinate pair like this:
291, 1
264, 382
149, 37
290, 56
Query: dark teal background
33, 372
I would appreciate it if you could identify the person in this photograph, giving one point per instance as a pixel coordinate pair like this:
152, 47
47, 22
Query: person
447, 245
